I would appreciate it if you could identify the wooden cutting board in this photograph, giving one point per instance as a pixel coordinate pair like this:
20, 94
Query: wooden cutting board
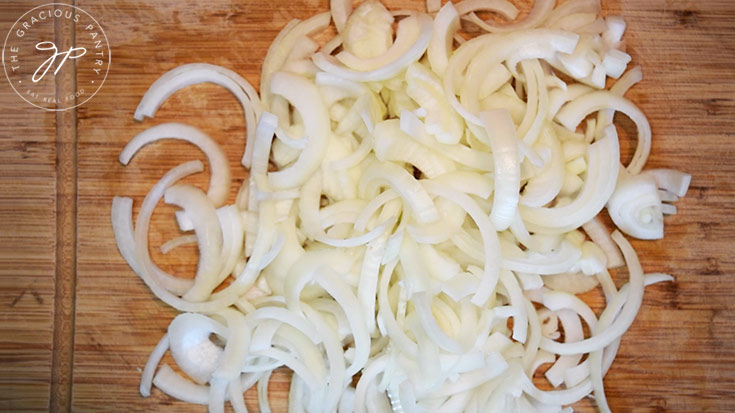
76, 324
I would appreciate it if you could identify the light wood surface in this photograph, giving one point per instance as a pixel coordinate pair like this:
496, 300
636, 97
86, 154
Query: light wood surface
71, 309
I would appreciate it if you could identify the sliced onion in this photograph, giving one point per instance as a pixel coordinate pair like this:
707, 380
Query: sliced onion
603, 158
355, 255
219, 181
504, 144
421, 29
304, 96
572, 114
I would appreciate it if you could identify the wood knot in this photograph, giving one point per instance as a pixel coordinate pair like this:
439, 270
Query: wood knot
687, 18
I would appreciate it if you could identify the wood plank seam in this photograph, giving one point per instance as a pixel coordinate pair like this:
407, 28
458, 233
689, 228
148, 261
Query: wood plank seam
66, 230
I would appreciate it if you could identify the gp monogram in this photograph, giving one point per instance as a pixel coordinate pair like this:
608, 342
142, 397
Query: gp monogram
50, 41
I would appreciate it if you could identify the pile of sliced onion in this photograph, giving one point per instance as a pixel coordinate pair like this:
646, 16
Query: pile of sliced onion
424, 195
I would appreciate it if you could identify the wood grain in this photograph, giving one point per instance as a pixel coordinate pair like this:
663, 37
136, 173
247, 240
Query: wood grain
66, 230
27, 242
679, 355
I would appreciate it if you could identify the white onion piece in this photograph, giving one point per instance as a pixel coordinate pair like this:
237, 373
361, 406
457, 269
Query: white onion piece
392, 144
603, 158
146, 378
368, 32
190, 74
402, 182
507, 173
556, 262
340, 10
409, 31
237, 399
414, 127
624, 319
423, 308
209, 237
233, 357
230, 222
305, 98
387, 69
635, 207
440, 120
489, 238
217, 389
536, 16
337, 380
122, 226
545, 185
671, 180
174, 243
446, 24
331, 282
573, 7
281, 47
502, 7
219, 181
171, 383
261, 149
573, 112
194, 352
572, 332
536, 43
598, 233
150, 273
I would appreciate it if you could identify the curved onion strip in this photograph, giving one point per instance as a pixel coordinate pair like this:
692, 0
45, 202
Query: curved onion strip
486, 51
305, 98
624, 319
146, 378
285, 316
603, 160
171, 383
122, 226
543, 187
340, 10
238, 339
219, 181
572, 7
235, 394
329, 64
209, 237
573, 112
539, 13
190, 74
446, 24
409, 31
557, 262
174, 243
335, 356
147, 270
230, 222
507, 173
489, 238
502, 7
572, 332
403, 183
261, 149
281, 47
670, 180
598, 233
432, 329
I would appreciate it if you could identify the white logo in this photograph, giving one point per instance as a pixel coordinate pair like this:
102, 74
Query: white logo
34, 55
